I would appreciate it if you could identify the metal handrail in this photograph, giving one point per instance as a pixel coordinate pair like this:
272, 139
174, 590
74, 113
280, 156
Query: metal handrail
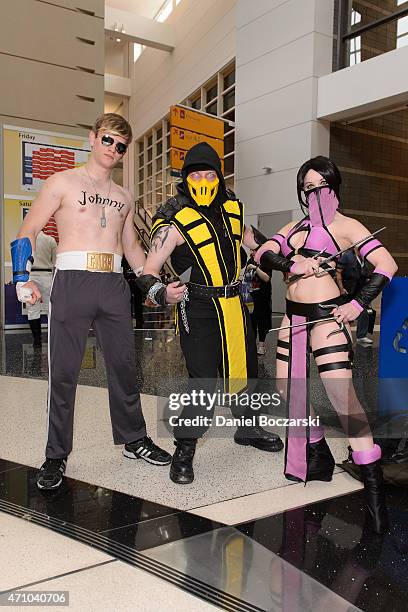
356, 31
145, 216
345, 33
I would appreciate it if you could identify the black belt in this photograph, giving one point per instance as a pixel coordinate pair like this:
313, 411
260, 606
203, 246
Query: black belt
41, 270
313, 310
203, 291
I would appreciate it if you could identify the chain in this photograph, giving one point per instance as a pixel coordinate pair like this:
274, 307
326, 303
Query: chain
183, 311
151, 294
103, 218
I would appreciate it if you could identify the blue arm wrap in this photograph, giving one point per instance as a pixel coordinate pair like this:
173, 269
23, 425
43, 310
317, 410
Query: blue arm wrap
22, 258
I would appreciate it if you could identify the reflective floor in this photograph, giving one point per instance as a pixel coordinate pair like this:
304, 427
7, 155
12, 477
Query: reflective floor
308, 558
241, 537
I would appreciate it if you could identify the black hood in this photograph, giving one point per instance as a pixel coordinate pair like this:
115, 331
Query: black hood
202, 157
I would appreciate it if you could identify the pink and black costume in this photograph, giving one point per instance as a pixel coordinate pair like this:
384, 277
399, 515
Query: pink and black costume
307, 454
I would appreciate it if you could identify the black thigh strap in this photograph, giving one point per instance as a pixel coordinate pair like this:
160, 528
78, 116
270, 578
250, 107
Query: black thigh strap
326, 350
350, 344
282, 357
283, 344
336, 365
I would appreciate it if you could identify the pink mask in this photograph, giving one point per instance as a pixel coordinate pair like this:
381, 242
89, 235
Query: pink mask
322, 204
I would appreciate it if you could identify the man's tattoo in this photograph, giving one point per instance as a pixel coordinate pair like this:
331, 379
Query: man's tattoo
97, 199
160, 238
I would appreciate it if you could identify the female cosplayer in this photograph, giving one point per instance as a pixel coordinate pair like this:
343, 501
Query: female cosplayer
297, 250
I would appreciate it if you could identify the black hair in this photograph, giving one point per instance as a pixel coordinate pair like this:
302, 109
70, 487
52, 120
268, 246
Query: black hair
324, 166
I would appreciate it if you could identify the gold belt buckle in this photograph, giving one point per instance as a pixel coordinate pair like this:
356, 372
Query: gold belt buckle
99, 262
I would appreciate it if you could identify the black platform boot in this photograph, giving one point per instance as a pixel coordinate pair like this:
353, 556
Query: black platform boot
372, 477
320, 465
35, 326
181, 469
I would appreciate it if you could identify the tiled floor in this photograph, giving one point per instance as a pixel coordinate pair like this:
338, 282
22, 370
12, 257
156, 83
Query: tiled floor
119, 535
223, 469
38, 559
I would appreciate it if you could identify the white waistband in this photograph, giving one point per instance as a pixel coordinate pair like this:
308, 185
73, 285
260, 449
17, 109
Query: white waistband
93, 261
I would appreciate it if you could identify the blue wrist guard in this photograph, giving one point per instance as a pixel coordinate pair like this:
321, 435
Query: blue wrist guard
22, 258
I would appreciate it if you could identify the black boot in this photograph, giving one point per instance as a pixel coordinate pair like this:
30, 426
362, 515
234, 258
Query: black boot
259, 438
320, 462
181, 469
35, 326
372, 477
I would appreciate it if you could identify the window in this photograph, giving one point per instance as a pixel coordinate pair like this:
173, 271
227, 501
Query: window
368, 29
402, 32
212, 109
137, 51
355, 43
229, 79
211, 93
155, 184
196, 103
228, 100
166, 10
152, 163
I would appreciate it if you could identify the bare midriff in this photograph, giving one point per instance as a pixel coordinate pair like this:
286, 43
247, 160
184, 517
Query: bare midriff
313, 289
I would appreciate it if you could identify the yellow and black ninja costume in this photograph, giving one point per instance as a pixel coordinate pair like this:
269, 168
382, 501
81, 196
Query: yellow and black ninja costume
215, 330
216, 335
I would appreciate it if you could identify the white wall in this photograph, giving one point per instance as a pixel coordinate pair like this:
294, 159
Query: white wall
204, 42
145, 8
116, 57
282, 49
365, 88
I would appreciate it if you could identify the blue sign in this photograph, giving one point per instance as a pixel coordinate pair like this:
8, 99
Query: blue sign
393, 356
393, 359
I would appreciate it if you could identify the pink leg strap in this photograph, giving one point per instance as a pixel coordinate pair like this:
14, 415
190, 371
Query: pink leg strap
296, 457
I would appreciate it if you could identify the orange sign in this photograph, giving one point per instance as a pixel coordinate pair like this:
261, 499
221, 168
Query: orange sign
196, 122
177, 159
184, 139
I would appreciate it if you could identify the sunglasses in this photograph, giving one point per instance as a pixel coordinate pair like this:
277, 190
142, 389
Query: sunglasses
107, 141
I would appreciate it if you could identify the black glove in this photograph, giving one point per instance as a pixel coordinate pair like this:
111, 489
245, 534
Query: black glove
146, 281
371, 289
271, 261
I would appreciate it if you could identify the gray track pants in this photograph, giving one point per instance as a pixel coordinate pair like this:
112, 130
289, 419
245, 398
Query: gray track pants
79, 300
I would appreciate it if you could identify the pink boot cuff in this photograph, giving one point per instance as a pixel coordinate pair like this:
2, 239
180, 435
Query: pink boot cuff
365, 457
316, 433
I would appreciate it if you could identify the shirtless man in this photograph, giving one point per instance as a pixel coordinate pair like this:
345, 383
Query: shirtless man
94, 218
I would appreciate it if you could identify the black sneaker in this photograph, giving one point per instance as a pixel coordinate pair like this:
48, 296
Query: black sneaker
51, 473
146, 449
